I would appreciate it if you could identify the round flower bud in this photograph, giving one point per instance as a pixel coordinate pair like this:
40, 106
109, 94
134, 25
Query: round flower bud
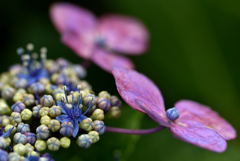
80, 71
5, 121
42, 132
8, 141
84, 141
20, 149
8, 93
29, 148
36, 111
172, 114
20, 83
45, 120
14, 157
3, 155
45, 81
47, 101
86, 124
18, 97
28, 99
31, 137
33, 153
53, 144
54, 125
4, 108
40, 145
18, 107
26, 114
65, 142
44, 111
10, 127
99, 126
3, 143
37, 88
94, 136
104, 94
55, 111
114, 112
115, 101
104, 103
66, 129
23, 128
98, 114
90, 99
50, 88
20, 138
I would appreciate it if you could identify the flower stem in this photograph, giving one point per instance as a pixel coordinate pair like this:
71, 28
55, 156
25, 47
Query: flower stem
134, 132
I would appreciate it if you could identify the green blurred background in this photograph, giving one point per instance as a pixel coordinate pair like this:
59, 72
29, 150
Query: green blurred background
193, 54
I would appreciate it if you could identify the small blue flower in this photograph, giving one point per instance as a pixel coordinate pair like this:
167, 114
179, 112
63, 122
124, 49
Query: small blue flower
34, 67
73, 114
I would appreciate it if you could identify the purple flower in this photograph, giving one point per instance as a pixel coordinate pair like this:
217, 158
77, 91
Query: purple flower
72, 113
97, 40
189, 121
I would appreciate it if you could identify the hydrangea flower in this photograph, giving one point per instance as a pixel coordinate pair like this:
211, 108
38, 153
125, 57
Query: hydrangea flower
73, 114
98, 40
188, 120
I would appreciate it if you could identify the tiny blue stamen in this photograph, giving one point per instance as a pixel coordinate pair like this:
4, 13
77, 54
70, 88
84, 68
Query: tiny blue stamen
172, 114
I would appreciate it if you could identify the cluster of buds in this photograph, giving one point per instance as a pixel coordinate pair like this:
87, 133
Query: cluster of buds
46, 104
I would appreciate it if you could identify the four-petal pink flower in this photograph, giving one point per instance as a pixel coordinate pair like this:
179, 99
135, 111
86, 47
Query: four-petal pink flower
188, 120
98, 40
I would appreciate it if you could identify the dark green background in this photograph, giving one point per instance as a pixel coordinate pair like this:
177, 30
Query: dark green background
194, 53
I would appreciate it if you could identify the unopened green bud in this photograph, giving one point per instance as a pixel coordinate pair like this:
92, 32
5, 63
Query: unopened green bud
94, 136
8, 93
10, 127
40, 145
36, 111
54, 125
65, 142
4, 109
16, 117
98, 114
26, 114
104, 94
42, 132
86, 124
20, 149
47, 101
45, 120
55, 111
28, 99
53, 144
114, 112
29, 148
20, 138
44, 111
13, 156
3, 143
84, 141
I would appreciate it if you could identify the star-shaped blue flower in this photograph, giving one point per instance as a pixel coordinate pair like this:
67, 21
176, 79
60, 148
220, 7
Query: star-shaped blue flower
73, 114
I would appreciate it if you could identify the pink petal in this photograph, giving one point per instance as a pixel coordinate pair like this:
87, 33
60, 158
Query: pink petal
76, 25
140, 93
108, 60
197, 134
124, 34
207, 117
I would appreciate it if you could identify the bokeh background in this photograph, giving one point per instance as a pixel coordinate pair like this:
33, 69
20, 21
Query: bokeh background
194, 53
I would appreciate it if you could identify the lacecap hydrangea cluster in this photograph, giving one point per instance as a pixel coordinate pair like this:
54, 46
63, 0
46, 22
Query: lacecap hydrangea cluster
45, 105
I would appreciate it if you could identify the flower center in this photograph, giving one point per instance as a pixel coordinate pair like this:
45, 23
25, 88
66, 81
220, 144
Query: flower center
172, 114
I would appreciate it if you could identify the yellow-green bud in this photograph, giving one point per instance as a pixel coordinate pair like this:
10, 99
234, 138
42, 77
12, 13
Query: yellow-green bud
5, 121
13, 156
4, 108
114, 112
28, 99
40, 145
98, 114
47, 101
86, 124
65, 142
104, 94
44, 111
20, 149
16, 117
55, 111
45, 120
53, 144
26, 114
29, 148
10, 127
54, 125
33, 153
94, 136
